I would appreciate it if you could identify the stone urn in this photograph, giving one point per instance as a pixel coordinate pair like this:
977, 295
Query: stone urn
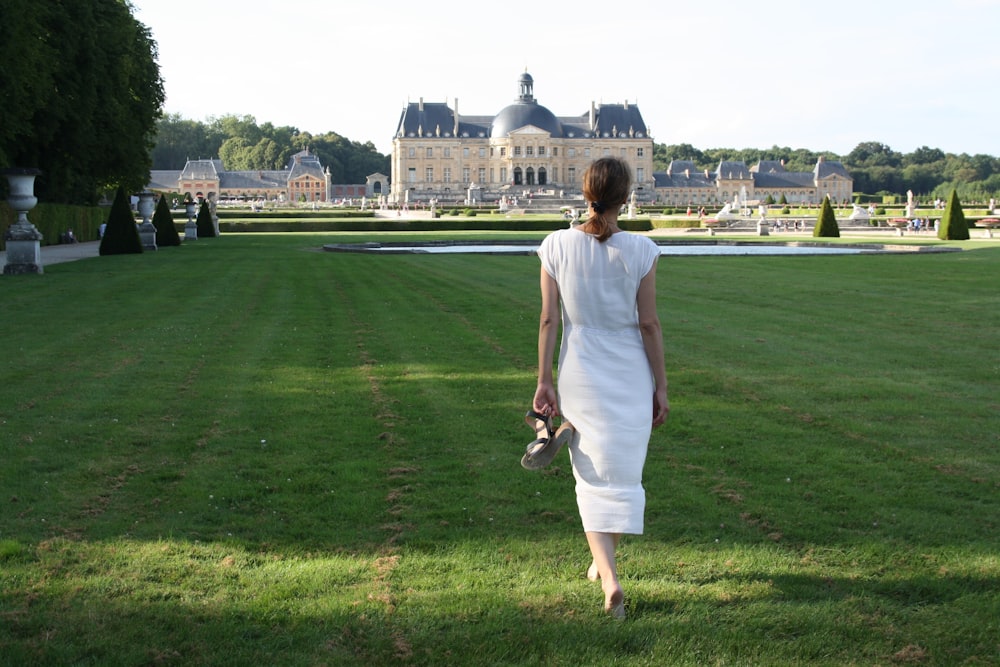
191, 228
899, 224
22, 238
989, 224
711, 224
147, 232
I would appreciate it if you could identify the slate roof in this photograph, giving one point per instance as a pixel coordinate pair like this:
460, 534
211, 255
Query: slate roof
619, 120
683, 174
682, 166
426, 119
768, 167
784, 179
829, 169
766, 174
432, 119
201, 170
163, 179
733, 170
304, 164
252, 180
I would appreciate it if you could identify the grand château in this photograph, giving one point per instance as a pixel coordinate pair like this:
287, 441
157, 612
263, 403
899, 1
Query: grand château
440, 153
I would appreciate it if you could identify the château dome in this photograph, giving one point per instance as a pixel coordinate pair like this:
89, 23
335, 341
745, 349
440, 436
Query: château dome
525, 111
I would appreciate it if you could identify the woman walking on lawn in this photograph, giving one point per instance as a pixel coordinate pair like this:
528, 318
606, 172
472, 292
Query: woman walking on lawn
601, 281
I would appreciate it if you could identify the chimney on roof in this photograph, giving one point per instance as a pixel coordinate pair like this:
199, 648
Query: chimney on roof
626, 105
593, 114
455, 131
420, 106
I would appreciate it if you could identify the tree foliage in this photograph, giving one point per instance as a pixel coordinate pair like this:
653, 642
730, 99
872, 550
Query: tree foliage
953, 226
826, 222
121, 236
81, 93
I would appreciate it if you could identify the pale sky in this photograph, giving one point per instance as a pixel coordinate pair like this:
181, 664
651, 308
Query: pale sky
716, 74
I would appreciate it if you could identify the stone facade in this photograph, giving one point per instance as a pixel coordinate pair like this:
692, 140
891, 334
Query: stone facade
439, 153
303, 180
733, 182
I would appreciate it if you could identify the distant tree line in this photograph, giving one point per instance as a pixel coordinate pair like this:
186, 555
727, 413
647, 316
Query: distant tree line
877, 169
243, 145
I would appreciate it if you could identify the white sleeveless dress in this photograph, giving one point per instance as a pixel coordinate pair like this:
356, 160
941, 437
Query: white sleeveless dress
604, 382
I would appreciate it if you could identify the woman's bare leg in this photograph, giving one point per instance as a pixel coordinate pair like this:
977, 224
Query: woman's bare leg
602, 548
592, 572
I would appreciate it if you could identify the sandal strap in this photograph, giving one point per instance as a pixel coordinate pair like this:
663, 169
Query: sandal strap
532, 416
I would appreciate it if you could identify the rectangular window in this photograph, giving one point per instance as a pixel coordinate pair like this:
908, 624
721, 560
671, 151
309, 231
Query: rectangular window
492, 174
640, 152
624, 152
586, 152
447, 174
429, 173
607, 151
503, 151
640, 174
482, 152
482, 174
413, 152
541, 151
430, 152
529, 151
555, 151
517, 151
465, 174
447, 152
503, 174
465, 152
572, 174
411, 176
571, 152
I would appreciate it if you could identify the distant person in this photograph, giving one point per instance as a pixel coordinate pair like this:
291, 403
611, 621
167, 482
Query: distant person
601, 283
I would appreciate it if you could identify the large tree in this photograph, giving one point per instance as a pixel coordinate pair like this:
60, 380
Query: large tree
81, 93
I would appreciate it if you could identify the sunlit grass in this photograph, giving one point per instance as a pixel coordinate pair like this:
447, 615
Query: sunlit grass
247, 451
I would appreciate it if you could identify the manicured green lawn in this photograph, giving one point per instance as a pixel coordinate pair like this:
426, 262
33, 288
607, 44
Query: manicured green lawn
246, 451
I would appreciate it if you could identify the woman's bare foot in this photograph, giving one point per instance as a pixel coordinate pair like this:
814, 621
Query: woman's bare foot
614, 604
592, 573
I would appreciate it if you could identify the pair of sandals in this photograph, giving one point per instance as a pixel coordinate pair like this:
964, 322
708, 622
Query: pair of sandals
543, 449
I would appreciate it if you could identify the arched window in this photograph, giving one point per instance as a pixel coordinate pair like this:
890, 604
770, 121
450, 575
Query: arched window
543, 176
517, 176
529, 176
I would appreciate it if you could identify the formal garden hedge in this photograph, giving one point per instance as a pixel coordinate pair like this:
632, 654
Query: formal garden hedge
54, 220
